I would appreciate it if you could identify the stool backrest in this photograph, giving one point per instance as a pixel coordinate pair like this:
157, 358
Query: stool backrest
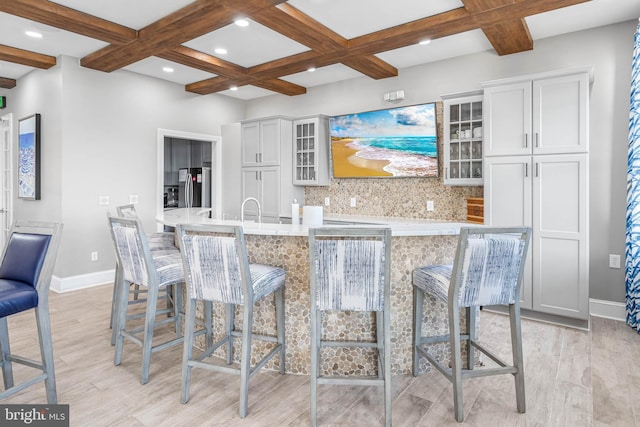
127, 211
132, 250
215, 262
30, 253
489, 266
350, 268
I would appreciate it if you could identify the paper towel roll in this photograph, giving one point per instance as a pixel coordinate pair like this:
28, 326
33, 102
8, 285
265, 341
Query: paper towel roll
295, 214
312, 215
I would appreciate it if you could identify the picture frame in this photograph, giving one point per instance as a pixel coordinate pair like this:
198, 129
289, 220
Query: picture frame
29, 138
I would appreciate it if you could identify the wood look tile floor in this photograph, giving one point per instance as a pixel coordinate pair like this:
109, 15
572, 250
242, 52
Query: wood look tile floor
573, 378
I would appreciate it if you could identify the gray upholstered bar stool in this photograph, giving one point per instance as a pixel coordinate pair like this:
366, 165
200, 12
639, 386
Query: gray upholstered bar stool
487, 270
350, 269
25, 278
162, 242
217, 269
154, 271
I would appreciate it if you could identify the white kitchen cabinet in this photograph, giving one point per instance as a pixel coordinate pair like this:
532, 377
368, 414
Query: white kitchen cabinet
507, 202
463, 139
266, 152
545, 115
262, 184
536, 174
311, 151
261, 141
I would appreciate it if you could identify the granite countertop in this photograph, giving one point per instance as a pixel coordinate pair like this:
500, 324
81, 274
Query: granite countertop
399, 226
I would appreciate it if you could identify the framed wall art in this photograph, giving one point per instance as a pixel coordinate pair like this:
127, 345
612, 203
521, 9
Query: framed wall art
29, 157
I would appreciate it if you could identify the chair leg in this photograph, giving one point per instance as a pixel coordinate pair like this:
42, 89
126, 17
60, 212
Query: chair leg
316, 322
279, 296
149, 325
187, 352
470, 318
118, 285
230, 310
121, 323
245, 363
7, 370
516, 346
208, 323
46, 350
387, 367
177, 308
380, 343
456, 362
417, 328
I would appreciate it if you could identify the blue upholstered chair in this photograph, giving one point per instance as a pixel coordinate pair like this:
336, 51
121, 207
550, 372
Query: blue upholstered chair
350, 270
487, 270
25, 277
161, 242
217, 269
153, 270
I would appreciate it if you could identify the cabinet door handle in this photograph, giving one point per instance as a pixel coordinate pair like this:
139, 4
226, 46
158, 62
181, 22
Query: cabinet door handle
526, 170
526, 140
537, 169
260, 157
260, 175
537, 139
257, 161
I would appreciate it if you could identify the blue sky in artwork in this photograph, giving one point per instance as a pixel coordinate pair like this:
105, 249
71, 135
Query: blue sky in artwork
415, 120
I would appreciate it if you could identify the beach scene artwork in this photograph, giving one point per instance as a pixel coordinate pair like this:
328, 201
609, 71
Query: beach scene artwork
28, 146
396, 142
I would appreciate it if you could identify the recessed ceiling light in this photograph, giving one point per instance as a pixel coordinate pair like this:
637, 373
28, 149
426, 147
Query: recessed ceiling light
241, 22
168, 69
33, 34
234, 88
220, 51
311, 69
423, 42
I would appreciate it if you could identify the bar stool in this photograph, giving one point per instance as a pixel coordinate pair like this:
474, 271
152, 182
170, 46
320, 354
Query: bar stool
217, 269
25, 277
154, 271
487, 270
350, 269
162, 242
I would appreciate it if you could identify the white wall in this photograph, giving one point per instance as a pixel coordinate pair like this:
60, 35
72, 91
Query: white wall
103, 130
608, 49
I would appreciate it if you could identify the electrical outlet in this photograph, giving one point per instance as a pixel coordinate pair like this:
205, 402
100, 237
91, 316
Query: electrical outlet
614, 261
353, 202
327, 201
133, 199
104, 200
430, 207
94, 256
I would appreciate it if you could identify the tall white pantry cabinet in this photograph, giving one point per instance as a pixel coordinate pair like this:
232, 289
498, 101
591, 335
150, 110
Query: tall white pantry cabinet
536, 174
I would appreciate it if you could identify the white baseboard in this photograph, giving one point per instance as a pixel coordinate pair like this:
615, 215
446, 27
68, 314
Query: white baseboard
81, 281
608, 309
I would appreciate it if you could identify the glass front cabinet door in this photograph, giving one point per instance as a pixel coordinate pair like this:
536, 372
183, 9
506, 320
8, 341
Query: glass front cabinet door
311, 151
463, 140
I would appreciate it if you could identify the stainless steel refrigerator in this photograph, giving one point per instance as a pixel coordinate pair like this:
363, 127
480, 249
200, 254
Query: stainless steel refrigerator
194, 188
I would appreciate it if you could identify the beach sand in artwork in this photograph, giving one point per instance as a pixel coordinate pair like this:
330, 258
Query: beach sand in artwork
345, 160
364, 161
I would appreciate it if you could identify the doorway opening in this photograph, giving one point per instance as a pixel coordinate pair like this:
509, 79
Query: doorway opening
182, 154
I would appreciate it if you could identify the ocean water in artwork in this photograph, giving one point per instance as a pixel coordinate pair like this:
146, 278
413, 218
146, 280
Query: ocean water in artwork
424, 145
27, 165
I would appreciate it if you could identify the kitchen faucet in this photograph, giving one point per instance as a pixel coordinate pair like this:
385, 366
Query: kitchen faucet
248, 199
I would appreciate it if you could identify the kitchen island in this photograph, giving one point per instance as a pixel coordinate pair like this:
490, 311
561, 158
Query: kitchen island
415, 243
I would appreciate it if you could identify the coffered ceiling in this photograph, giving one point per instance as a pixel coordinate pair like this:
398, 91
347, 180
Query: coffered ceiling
180, 40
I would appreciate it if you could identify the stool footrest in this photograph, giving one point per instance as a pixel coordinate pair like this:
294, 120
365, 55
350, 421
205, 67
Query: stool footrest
373, 381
